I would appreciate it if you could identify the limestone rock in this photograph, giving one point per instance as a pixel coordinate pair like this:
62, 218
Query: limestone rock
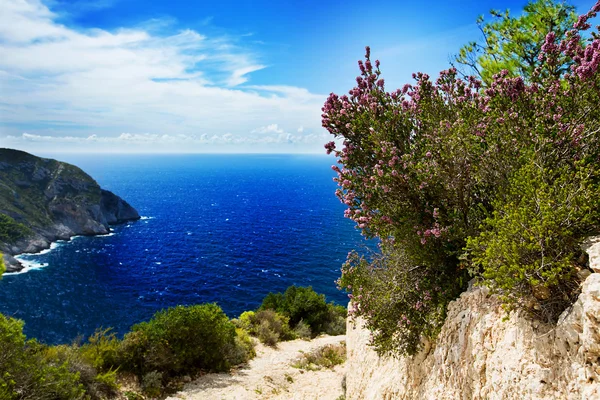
481, 355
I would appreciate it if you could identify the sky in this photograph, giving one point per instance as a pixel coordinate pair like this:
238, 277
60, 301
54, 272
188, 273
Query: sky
184, 76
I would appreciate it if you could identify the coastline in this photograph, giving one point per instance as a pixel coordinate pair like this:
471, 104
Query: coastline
41, 244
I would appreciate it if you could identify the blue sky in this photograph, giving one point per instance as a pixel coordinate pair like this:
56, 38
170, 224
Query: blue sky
206, 76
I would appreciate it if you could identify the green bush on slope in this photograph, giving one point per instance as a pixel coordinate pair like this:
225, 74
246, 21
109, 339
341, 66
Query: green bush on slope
304, 304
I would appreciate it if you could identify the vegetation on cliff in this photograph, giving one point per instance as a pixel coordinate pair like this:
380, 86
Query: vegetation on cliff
42, 200
459, 178
31, 183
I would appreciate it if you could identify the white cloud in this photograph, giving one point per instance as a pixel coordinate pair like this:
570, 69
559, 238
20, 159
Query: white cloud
272, 128
67, 86
267, 141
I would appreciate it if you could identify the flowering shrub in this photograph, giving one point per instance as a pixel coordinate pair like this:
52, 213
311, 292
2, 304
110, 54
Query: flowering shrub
452, 178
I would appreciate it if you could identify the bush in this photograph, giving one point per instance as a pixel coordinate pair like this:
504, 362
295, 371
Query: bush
271, 327
400, 303
242, 350
179, 341
96, 385
302, 331
303, 304
152, 383
528, 248
28, 371
11, 230
327, 356
101, 349
450, 177
336, 320
245, 321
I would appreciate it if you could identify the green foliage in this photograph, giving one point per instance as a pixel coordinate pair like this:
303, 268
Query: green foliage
178, 341
101, 349
530, 245
96, 385
2, 267
302, 331
452, 176
401, 302
304, 304
336, 320
271, 327
245, 320
28, 371
10, 230
514, 43
243, 349
152, 383
327, 356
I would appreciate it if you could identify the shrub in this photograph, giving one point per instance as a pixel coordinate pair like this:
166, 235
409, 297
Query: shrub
302, 304
11, 230
302, 330
242, 350
453, 178
271, 327
327, 356
178, 341
101, 349
152, 383
27, 371
336, 320
96, 385
528, 248
244, 321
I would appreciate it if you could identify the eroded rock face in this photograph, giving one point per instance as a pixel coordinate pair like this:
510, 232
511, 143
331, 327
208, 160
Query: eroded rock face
480, 355
55, 201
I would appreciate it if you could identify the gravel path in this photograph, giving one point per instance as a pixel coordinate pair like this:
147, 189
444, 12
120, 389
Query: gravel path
270, 376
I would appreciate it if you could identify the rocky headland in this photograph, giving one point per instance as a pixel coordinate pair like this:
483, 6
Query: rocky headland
43, 200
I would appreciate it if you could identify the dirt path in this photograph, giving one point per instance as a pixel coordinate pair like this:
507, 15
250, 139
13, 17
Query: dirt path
270, 376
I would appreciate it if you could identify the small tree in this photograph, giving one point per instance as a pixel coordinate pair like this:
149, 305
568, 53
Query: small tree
514, 44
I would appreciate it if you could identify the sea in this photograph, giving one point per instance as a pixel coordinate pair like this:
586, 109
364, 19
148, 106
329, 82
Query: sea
226, 229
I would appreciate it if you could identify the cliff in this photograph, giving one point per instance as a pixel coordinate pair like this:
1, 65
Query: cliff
480, 354
44, 200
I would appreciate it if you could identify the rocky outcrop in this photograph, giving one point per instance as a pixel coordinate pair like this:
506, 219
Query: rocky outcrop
480, 354
45, 200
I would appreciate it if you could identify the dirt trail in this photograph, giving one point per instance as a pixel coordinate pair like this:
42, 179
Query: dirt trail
270, 376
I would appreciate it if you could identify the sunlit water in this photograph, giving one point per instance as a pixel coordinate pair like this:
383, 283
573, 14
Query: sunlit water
226, 229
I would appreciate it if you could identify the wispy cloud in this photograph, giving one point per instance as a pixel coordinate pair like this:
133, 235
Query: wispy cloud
181, 86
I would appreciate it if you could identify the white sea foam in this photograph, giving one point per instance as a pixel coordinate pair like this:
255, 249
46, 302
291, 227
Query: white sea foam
27, 266
107, 235
53, 246
143, 218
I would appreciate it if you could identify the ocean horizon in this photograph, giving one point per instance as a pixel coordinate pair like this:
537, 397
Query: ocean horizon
224, 228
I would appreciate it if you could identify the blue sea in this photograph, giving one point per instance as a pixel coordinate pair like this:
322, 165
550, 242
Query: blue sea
215, 228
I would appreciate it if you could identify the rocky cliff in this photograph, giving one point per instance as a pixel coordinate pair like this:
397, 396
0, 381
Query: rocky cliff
480, 354
44, 200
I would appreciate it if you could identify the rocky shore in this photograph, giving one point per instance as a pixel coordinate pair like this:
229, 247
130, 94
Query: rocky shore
45, 200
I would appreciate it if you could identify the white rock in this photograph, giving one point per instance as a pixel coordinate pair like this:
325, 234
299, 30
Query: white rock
479, 355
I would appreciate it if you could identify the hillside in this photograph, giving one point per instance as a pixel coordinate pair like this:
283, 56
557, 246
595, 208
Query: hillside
43, 200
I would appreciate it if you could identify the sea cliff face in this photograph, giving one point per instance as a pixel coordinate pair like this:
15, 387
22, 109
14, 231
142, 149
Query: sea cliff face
481, 355
45, 200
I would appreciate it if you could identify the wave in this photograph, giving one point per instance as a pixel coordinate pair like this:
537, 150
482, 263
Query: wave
53, 246
143, 218
28, 265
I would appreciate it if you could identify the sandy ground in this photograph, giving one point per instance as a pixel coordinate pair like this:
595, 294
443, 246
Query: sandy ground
270, 376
